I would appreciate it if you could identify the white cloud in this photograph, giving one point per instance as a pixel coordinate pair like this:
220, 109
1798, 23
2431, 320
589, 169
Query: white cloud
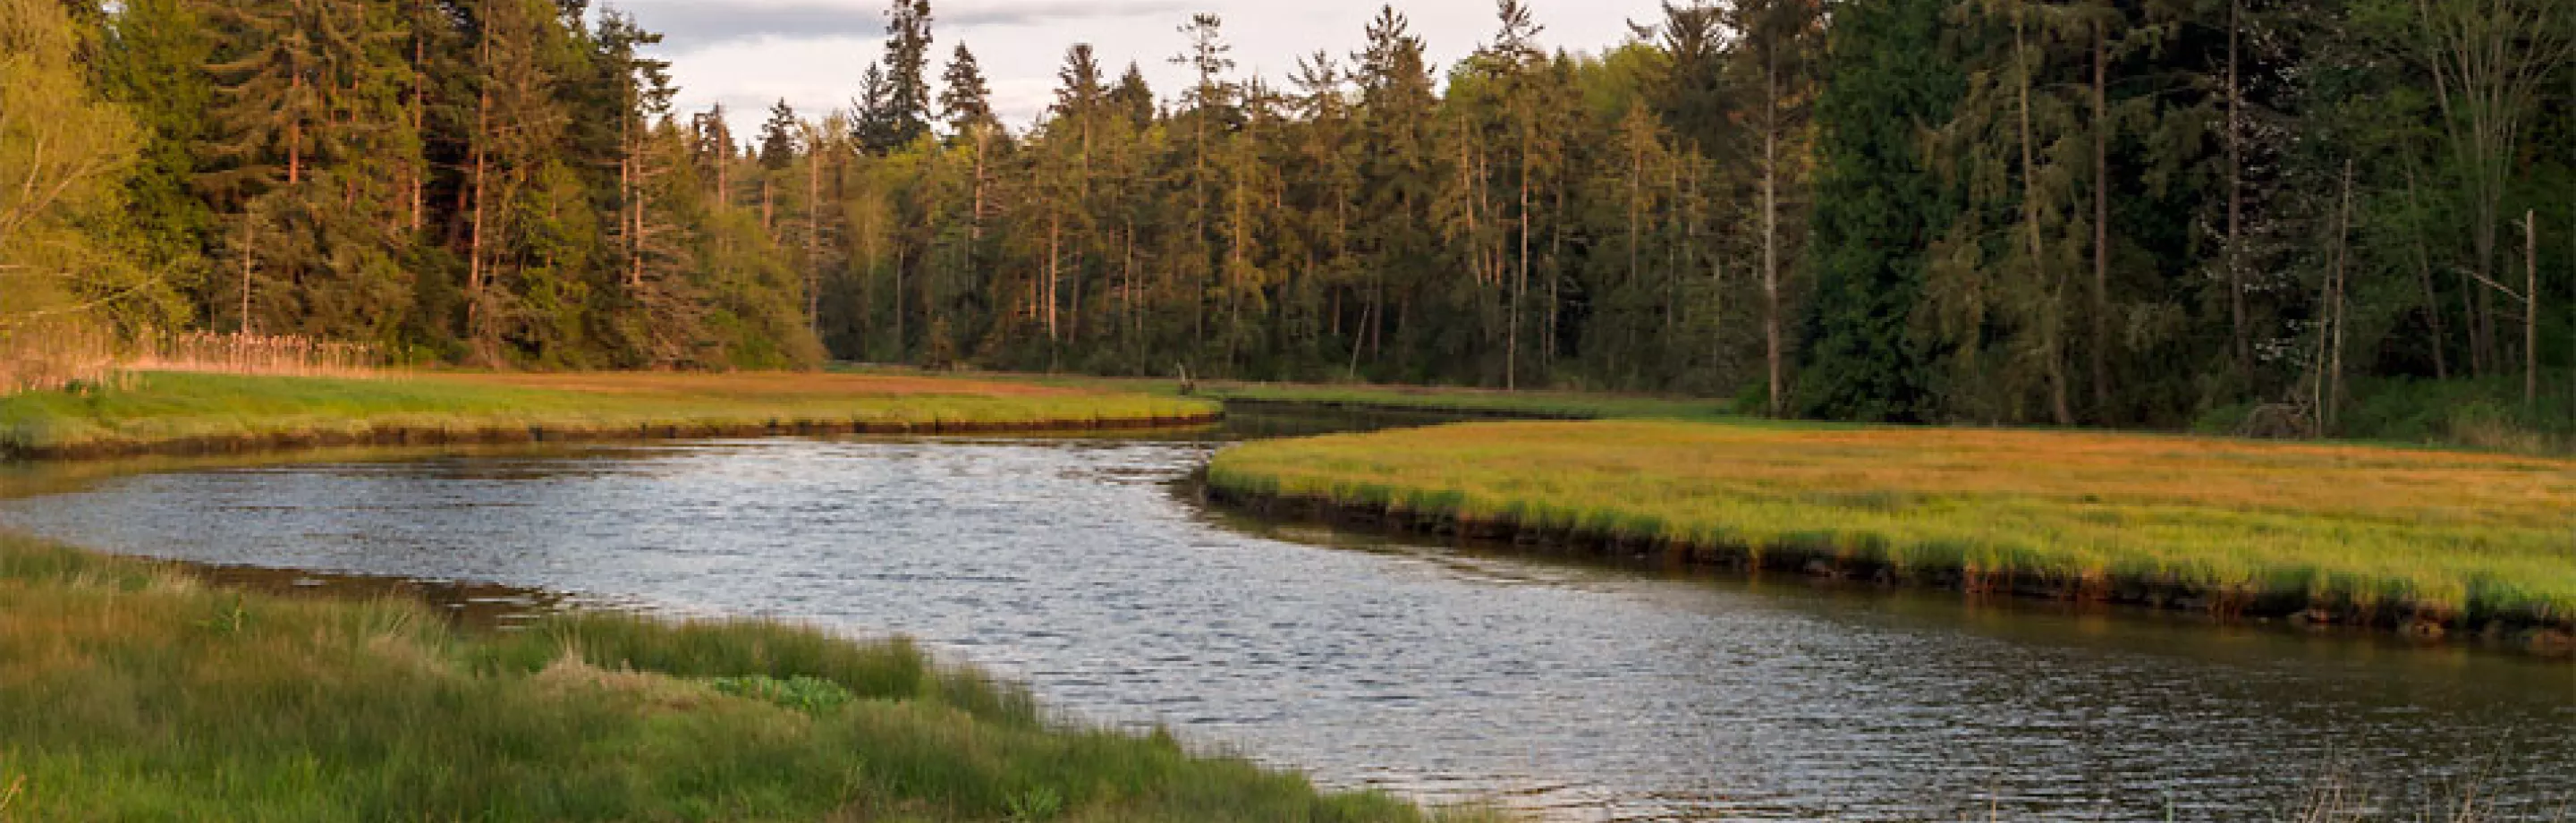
811, 52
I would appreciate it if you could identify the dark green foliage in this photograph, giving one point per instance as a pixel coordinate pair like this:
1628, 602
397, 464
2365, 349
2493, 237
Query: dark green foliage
1878, 204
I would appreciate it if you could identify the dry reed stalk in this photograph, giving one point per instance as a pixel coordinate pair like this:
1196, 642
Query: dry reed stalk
60, 356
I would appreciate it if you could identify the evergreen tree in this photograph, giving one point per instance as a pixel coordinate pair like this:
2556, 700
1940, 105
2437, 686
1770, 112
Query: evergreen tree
904, 109
1879, 202
779, 136
965, 100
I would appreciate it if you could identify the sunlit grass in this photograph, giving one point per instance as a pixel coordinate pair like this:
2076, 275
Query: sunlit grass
173, 407
129, 692
2452, 534
1457, 399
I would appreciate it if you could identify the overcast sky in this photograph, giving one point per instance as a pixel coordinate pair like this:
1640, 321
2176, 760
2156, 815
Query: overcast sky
749, 53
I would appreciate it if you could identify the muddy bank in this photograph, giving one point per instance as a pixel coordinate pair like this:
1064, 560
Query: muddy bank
2531, 634
413, 435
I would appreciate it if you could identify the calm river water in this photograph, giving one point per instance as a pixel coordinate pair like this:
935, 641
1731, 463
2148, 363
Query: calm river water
1582, 691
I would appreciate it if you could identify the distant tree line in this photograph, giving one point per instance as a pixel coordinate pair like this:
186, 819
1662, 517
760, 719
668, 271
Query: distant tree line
2117, 212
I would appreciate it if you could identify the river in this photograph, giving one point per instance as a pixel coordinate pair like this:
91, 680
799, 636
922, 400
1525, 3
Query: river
1577, 690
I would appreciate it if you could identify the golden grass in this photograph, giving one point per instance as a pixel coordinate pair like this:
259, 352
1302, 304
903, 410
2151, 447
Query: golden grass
2449, 534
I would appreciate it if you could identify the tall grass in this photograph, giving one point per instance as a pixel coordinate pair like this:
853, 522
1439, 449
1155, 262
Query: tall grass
236, 353
2432, 537
127, 692
223, 411
66, 354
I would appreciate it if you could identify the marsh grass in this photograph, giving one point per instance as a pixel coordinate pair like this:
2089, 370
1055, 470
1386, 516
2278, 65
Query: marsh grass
2372, 533
1573, 405
130, 692
218, 410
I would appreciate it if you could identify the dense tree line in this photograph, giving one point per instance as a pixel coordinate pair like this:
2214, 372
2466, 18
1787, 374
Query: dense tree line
2122, 212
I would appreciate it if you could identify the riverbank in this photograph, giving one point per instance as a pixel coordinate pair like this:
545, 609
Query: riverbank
2430, 543
191, 413
1453, 400
132, 690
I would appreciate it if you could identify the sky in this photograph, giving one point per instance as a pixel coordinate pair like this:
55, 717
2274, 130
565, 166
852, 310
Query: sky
750, 53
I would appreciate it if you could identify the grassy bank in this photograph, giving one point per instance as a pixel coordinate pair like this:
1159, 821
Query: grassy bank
1451, 399
2425, 539
128, 691
170, 411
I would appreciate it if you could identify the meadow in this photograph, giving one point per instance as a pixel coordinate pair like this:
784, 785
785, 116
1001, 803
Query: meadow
2426, 540
130, 690
192, 411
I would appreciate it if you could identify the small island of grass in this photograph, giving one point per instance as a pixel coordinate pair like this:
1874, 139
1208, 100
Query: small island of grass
2422, 540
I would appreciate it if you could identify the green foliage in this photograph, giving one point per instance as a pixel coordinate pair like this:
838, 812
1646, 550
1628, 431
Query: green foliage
1876, 200
65, 153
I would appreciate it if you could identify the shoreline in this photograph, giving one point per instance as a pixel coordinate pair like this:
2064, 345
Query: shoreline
177, 413
2521, 634
445, 435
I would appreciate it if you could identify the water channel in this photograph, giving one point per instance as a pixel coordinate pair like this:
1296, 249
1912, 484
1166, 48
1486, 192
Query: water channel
1577, 690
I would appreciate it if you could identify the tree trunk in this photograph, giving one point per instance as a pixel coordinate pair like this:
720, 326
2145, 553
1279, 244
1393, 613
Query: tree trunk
477, 314
1771, 241
1520, 282
412, 166
1055, 230
2531, 309
2424, 276
295, 127
2051, 331
2241, 345
2332, 412
250, 239
2101, 347
814, 237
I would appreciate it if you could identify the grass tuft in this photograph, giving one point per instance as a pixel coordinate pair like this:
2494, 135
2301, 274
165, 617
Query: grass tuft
123, 697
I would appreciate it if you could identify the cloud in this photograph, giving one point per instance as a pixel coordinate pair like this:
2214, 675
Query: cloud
696, 25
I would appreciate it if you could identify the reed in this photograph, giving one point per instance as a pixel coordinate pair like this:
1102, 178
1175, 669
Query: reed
259, 354
128, 691
2431, 540
59, 355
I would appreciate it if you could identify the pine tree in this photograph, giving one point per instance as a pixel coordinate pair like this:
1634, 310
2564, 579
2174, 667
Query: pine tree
905, 107
965, 100
779, 136
1878, 203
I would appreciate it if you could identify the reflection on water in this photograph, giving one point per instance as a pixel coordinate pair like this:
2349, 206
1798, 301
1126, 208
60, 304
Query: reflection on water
1587, 691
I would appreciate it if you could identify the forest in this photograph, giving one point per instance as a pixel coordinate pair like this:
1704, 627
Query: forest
2137, 213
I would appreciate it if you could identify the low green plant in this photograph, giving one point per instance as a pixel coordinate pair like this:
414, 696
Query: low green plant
811, 695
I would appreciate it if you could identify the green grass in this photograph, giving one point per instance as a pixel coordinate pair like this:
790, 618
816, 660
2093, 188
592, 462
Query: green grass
1474, 401
128, 691
161, 408
2452, 536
